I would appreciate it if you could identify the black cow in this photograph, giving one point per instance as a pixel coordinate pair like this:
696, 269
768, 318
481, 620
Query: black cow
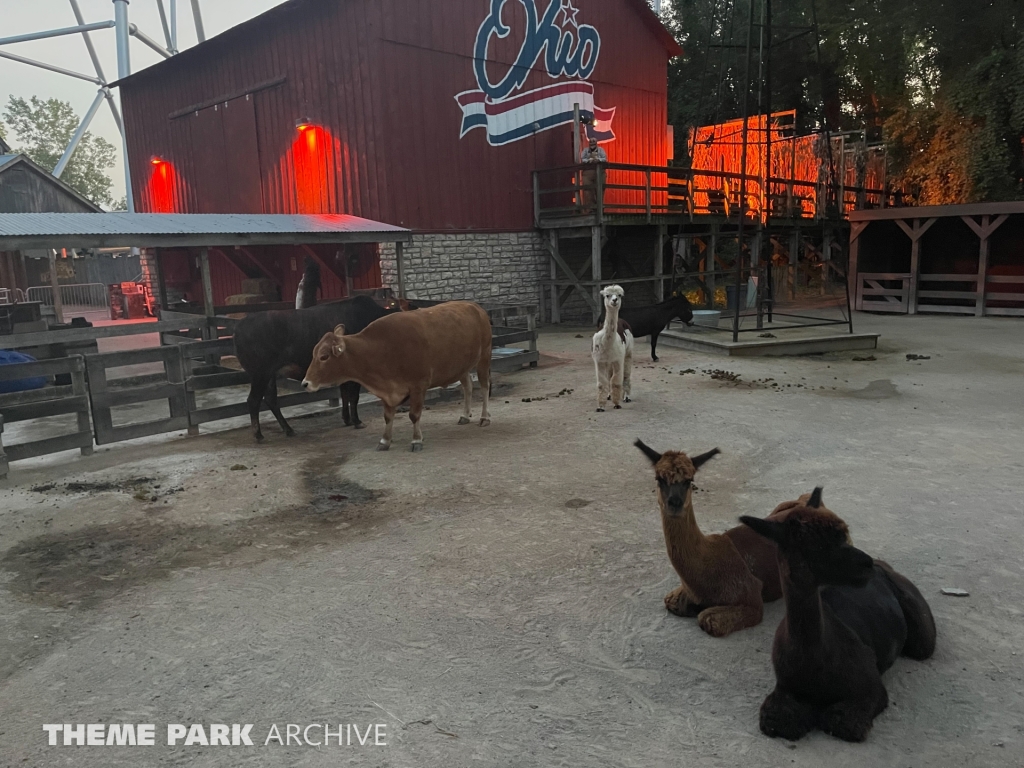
652, 319
268, 342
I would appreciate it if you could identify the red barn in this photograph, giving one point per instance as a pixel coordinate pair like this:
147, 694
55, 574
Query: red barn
430, 116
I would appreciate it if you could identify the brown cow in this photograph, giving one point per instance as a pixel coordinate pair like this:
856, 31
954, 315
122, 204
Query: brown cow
400, 356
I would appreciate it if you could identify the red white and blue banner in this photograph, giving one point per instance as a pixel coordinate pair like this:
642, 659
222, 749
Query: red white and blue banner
568, 49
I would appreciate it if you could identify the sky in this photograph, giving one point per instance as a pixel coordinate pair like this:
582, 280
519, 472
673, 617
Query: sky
69, 52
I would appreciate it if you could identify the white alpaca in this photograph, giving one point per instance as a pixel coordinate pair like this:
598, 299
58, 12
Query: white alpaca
613, 352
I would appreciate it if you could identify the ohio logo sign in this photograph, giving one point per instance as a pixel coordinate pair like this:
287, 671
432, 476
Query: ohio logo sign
568, 48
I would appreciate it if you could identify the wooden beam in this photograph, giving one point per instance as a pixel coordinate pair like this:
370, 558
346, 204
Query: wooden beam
327, 264
595, 268
235, 260
572, 277
258, 264
204, 268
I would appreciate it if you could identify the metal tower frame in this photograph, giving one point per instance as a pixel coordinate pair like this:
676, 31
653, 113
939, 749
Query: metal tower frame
123, 31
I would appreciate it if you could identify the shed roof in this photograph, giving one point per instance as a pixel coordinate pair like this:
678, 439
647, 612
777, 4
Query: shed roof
170, 230
4, 147
8, 162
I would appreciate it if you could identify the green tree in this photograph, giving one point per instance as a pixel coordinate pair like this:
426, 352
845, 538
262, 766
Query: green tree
941, 82
44, 129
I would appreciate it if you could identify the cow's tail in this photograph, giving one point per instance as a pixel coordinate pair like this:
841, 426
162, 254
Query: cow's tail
310, 285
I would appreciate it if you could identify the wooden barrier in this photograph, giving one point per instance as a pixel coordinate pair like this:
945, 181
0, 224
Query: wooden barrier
40, 403
104, 397
190, 366
882, 298
200, 376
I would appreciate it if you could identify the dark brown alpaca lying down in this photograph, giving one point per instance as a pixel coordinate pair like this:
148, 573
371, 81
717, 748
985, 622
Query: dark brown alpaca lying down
848, 617
725, 577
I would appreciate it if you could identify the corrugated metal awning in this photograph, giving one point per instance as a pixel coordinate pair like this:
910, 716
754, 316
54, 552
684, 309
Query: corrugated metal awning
170, 230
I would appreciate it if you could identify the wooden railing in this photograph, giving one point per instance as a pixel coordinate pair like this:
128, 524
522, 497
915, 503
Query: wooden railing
650, 192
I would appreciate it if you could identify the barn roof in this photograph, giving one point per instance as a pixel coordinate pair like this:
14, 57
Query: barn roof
246, 28
4, 147
9, 162
169, 230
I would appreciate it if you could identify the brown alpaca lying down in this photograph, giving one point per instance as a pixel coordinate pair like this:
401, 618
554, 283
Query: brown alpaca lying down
847, 619
725, 577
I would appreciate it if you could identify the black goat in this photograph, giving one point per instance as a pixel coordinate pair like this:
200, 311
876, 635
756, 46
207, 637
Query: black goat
652, 319
268, 342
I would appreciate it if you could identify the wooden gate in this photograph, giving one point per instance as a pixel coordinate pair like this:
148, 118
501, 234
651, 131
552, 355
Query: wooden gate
883, 292
107, 394
40, 403
200, 376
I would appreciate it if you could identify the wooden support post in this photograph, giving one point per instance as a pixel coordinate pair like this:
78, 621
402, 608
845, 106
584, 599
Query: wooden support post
979, 305
595, 270
342, 255
852, 279
400, 268
204, 268
556, 311
58, 304
794, 259
984, 232
711, 258
4, 466
826, 257
659, 263
915, 231
79, 389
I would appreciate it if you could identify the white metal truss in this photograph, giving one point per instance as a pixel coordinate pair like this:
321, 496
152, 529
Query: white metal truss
123, 31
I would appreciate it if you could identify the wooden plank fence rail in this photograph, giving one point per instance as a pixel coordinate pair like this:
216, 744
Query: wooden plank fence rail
44, 402
869, 286
42, 338
193, 361
105, 397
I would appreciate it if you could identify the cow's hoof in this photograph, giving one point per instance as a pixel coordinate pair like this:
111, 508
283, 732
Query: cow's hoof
654, 359
485, 422
416, 447
290, 433
618, 407
259, 438
600, 410
463, 419
360, 425
383, 446
627, 399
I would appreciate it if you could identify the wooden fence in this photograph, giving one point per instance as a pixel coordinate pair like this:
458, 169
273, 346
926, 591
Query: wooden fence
189, 356
55, 400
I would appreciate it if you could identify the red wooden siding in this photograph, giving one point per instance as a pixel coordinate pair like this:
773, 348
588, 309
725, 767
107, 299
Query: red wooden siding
378, 79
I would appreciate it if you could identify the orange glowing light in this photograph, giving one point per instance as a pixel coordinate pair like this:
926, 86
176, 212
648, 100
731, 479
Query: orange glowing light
314, 158
163, 187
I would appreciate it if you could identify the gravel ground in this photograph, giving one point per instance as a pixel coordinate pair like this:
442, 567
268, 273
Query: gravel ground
496, 600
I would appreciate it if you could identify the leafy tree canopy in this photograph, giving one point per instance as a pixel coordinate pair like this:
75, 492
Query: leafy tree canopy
44, 128
942, 83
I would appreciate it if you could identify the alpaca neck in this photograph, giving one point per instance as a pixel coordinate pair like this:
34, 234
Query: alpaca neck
803, 602
611, 319
682, 537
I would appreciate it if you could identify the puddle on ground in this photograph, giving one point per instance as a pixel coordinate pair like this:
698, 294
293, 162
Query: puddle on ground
85, 567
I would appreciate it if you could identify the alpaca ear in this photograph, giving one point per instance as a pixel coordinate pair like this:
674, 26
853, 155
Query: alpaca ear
768, 528
649, 452
699, 461
815, 500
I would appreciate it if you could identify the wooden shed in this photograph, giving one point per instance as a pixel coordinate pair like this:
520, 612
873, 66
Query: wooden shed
25, 187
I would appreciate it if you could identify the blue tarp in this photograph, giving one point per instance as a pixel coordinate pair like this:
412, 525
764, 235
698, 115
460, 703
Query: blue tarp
9, 357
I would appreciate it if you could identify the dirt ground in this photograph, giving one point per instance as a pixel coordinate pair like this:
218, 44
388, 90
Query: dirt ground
496, 600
